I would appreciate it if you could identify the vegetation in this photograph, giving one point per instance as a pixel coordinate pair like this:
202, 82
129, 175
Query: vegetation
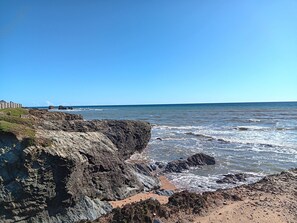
16, 112
17, 121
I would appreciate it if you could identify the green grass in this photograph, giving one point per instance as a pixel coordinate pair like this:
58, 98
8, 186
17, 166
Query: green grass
16, 112
15, 115
14, 120
16, 129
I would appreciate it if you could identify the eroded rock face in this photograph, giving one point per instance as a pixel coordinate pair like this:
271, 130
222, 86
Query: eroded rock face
128, 136
72, 177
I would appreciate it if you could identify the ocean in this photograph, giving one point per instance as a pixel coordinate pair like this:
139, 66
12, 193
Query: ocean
253, 138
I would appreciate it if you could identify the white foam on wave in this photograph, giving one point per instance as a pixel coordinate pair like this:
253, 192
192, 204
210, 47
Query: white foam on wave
252, 128
259, 141
193, 182
88, 109
254, 120
164, 127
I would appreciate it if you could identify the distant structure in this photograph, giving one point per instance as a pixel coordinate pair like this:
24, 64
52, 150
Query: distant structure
4, 104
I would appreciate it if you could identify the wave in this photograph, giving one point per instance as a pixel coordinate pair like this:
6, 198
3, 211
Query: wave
206, 137
177, 127
261, 128
285, 129
196, 183
87, 109
254, 120
237, 140
252, 128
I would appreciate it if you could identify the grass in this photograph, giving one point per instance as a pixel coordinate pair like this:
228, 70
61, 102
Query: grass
17, 129
16, 112
14, 120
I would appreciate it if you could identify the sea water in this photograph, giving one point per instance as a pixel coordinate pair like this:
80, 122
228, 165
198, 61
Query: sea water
253, 138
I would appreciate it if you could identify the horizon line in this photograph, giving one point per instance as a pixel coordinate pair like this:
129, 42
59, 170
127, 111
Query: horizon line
149, 104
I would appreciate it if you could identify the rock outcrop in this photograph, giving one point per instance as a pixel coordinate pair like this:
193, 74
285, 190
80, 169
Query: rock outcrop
198, 159
72, 170
128, 136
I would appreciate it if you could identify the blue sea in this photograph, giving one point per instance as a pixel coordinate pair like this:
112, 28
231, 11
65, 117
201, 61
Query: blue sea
253, 138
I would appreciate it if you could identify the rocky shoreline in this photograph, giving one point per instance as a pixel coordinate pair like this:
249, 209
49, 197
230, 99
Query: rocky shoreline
71, 170
272, 199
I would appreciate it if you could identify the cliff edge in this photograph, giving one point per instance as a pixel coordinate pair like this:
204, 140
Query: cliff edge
65, 169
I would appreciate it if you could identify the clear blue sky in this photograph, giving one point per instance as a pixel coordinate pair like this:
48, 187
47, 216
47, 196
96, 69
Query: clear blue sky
139, 52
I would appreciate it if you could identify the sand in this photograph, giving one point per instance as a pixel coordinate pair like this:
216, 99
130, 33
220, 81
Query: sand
165, 184
268, 209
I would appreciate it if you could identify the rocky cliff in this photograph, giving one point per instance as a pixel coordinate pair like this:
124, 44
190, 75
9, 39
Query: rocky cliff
70, 169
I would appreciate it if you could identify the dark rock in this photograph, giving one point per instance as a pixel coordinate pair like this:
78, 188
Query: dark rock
177, 166
71, 178
145, 175
51, 107
140, 212
163, 192
160, 165
48, 120
153, 166
61, 107
233, 178
188, 201
200, 159
128, 136
192, 161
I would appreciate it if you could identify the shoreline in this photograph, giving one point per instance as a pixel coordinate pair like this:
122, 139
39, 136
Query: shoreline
271, 199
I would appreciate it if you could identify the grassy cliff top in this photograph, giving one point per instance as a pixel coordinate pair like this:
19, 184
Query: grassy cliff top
16, 121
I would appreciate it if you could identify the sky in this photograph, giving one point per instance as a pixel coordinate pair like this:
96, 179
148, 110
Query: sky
116, 52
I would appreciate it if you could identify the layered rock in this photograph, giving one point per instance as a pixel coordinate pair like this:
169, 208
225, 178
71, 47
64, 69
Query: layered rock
72, 170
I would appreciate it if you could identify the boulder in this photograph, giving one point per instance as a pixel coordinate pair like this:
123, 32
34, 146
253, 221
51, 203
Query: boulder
200, 159
177, 166
180, 165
